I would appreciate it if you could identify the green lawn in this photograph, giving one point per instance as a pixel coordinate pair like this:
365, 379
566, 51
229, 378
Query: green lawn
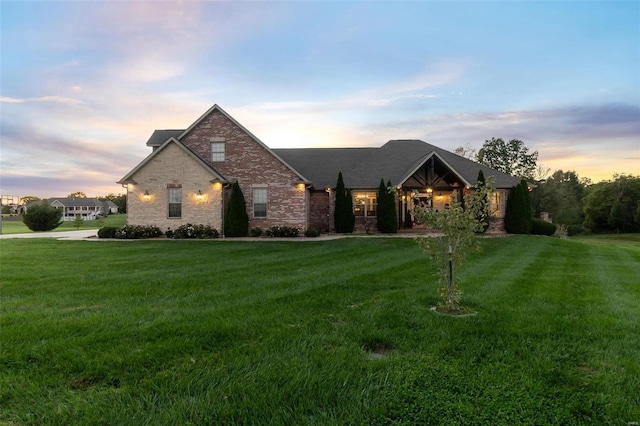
323, 332
17, 227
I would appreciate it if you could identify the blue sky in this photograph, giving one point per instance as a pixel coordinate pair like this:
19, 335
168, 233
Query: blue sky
84, 84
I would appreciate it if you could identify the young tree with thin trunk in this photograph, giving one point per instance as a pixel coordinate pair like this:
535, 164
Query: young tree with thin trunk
458, 226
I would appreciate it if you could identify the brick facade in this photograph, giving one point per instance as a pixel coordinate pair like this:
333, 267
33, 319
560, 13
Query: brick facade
252, 165
173, 166
246, 160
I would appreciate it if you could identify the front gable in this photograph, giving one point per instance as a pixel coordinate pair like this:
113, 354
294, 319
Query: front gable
245, 156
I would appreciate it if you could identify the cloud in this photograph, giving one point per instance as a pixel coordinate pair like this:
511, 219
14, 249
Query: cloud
58, 99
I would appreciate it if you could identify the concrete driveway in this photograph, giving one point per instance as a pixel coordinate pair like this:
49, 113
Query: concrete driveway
66, 235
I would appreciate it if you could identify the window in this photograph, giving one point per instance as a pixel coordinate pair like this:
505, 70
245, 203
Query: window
259, 202
175, 202
217, 152
365, 204
498, 203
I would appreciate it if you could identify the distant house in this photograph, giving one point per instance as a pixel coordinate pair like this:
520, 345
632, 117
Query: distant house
86, 208
187, 176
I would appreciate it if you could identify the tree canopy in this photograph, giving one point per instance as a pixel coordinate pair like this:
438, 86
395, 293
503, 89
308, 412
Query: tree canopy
613, 205
511, 157
78, 194
561, 196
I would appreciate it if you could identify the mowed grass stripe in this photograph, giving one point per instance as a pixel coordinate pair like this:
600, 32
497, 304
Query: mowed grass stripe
225, 332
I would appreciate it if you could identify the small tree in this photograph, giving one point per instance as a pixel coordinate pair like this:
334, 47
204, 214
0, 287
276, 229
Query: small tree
458, 227
350, 220
386, 213
343, 213
518, 215
236, 223
42, 217
77, 221
615, 217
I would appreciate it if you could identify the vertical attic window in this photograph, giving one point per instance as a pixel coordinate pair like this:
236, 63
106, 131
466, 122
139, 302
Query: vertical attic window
217, 149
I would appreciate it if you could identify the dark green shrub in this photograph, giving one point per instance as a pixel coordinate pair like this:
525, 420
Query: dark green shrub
542, 227
256, 232
574, 229
107, 232
282, 232
189, 231
168, 233
236, 223
312, 232
518, 213
343, 214
134, 232
483, 215
42, 217
387, 218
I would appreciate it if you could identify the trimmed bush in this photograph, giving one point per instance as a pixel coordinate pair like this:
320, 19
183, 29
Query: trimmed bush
236, 219
518, 214
542, 227
343, 213
575, 229
107, 232
189, 231
42, 217
256, 232
387, 218
312, 232
134, 232
282, 232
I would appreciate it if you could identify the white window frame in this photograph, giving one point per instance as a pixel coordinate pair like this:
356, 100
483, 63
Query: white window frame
174, 193
217, 147
260, 193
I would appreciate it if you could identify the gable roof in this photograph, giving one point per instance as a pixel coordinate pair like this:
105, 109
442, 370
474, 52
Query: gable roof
158, 137
77, 202
128, 178
361, 168
395, 161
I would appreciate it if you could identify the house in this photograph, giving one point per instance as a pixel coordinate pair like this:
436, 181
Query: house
86, 208
187, 176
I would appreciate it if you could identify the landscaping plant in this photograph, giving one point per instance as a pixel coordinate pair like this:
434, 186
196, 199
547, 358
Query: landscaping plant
42, 217
236, 219
458, 226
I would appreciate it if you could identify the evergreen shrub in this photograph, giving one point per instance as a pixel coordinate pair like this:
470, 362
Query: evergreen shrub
542, 227
236, 222
42, 217
574, 229
107, 232
312, 232
256, 232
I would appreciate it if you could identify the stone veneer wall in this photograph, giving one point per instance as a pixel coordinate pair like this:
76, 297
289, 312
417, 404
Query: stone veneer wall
251, 164
174, 166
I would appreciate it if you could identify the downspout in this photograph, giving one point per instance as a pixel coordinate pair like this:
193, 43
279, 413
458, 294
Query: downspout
328, 191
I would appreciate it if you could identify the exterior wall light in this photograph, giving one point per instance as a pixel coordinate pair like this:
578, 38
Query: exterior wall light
199, 195
146, 195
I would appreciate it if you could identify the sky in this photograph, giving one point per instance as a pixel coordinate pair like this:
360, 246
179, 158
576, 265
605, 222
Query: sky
83, 84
